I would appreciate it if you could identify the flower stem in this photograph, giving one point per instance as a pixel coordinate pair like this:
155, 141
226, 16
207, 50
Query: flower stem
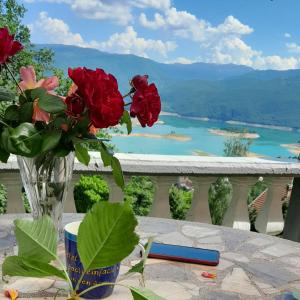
128, 94
14, 79
66, 273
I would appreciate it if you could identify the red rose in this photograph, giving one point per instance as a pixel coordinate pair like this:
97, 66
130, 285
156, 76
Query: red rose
146, 105
75, 105
8, 47
139, 82
100, 94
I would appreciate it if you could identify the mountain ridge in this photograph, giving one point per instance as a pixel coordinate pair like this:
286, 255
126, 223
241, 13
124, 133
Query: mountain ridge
224, 92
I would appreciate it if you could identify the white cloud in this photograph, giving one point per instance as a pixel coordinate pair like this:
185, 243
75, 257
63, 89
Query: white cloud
155, 24
128, 42
117, 11
275, 62
157, 4
181, 60
287, 35
222, 43
57, 31
293, 47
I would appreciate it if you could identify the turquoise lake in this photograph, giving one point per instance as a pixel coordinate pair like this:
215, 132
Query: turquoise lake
268, 144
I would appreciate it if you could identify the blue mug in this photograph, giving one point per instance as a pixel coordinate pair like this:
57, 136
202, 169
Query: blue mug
91, 278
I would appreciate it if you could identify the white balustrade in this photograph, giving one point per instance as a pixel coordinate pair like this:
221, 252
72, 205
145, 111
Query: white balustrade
237, 215
199, 210
270, 219
164, 170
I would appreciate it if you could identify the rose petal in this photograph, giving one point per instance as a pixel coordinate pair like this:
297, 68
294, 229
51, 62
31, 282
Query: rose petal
28, 77
50, 83
39, 114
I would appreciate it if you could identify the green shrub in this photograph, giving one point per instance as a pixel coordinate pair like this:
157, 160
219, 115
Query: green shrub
3, 199
26, 203
180, 201
89, 190
219, 199
255, 191
140, 192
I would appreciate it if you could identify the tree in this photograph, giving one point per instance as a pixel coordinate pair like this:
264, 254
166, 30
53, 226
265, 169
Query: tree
236, 147
11, 15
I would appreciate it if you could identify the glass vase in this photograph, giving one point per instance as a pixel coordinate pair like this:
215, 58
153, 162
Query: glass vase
46, 179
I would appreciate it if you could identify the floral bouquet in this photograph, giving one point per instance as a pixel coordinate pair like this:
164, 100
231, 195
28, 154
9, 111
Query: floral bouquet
45, 130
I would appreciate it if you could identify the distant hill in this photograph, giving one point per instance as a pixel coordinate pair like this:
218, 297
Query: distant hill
225, 92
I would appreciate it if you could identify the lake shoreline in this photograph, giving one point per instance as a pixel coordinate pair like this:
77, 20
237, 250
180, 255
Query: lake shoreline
232, 122
232, 134
170, 136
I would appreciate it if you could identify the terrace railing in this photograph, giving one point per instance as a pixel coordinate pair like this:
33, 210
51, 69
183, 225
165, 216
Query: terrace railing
165, 170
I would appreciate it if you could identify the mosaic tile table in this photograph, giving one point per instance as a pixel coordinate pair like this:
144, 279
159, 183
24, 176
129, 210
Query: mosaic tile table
252, 266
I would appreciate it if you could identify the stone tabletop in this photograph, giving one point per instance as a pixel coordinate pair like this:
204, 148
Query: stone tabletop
252, 266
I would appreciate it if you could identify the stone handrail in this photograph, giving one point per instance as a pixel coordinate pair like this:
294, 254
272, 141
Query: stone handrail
164, 170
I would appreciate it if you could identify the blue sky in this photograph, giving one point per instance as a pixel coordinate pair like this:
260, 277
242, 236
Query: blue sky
263, 34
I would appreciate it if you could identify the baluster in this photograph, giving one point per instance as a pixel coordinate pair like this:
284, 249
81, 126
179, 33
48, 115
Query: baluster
237, 215
161, 207
116, 194
199, 210
70, 202
270, 218
292, 221
13, 184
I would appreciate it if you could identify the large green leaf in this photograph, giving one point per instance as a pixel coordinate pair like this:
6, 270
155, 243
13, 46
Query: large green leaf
12, 113
26, 139
21, 266
144, 294
126, 120
4, 155
23, 140
117, 172
26, 111
6, 95
106, 156
106, 235
36, 239
82, 154
51, 103
51, 140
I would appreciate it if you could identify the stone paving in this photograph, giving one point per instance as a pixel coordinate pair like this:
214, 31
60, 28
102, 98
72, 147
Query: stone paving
252, 266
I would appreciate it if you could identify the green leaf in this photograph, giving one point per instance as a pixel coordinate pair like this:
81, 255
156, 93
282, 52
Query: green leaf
117, 172
21, 266
26, 111
51, 104
106, 156
51, 140
61, 151
6, 95
82, 154
23, 140
35, 93
37, 239
106, 235
144, 294
126, 120
4, 155
26, 140
12, 113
